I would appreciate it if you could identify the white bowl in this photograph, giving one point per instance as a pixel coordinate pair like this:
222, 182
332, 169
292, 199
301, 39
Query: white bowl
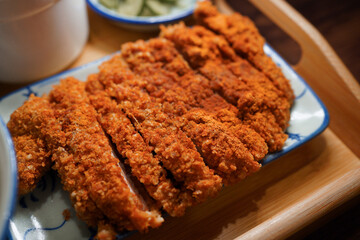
40, 37
8, 178
151, 23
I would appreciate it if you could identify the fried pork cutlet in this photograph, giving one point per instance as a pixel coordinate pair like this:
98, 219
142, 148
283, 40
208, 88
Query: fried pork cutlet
248, 93
245, 38
32, 161
266, 95
36, 119
173, 148
132, 147
26, 126
170, 78
89, 152
221, 150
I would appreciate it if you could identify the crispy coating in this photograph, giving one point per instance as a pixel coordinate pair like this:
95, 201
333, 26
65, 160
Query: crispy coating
137, 153
182, 129
176, 151
211, 55
245, 38
180, 83
33, 161
221, 150
226, 154
89, 152
32, 154
253, 83
36, 119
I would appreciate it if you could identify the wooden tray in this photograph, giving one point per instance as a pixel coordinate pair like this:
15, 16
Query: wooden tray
298, 188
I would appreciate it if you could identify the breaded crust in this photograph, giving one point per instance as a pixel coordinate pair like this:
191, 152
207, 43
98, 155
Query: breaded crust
245, 38
89, 151
221, 150
248, 96
137, 153
32, 154
36, 119
173, 148
190, 87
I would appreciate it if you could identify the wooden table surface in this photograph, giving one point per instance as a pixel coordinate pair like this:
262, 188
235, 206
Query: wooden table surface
277, 202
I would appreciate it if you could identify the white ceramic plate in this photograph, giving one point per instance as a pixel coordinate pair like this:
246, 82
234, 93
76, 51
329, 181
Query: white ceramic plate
8, 181
39, 215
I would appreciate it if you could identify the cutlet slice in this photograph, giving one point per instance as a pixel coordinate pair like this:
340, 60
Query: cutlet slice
191, 88
249, 96
265, 94
173, 148
88, 150
245, 38
224, 152
33, 161
132, 147
221, 150
35, 128
32, 154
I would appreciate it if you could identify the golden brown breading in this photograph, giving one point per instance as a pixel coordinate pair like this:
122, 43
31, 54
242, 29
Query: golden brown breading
89, 151
176, 152
213, 57
245, 38
36, 119
137, 153
33, 161
265, 94
186, 113
28, 127
189, 86
266, 125
221, 150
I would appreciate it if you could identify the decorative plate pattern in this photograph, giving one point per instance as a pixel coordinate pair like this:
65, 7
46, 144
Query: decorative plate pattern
39, 215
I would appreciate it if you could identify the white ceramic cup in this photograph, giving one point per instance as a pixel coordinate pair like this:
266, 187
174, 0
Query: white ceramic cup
40, 37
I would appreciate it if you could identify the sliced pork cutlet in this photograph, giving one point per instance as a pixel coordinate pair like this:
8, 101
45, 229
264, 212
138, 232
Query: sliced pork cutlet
179, 82
172, 147
93, 165
251, 95
39, 138
245, 38
221, 150
27, 126
266, 95
136, 152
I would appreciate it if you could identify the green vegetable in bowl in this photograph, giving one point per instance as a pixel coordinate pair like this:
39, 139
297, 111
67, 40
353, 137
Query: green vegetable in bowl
110, 3
142, 7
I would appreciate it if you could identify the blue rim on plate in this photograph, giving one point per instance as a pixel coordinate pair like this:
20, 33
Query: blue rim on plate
322, 127
271, 157
103, 11
13, 173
